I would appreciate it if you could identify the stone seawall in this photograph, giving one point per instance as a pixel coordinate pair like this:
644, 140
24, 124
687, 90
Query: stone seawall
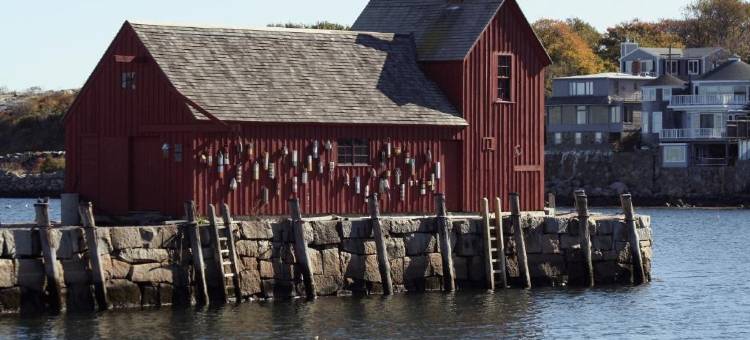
152, 265
31, 174
606, 175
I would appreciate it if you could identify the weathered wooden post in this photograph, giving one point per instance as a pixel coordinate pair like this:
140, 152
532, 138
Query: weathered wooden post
49, 252
449, 273
639, 274
500, 240
584, 234
515, 216
300, 245
95, 260
487, 237
383, 262
552, 204
575, 197
201, 290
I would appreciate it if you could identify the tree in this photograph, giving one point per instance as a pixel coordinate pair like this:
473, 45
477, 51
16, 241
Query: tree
320, 25
571, 54
722, 23
646, 34
586, 31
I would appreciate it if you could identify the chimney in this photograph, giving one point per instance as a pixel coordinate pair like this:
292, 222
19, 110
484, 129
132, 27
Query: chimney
627, 47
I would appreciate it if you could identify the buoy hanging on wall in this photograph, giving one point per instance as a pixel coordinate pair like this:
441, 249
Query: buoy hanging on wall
429, 155
321, 168
264, 195
165, 151
226, 156
239, 174
295, 158
407, 158
373, 173
256, 171
397, 150
329, 145
331, 170
357, 185
438, 171
309, 163
295, 185
398, 176
388, 150
239, 150
272, 171
315, 153
233, 185
284, 152
413, 167
304, 177
347, 179
411, 183
203, 158
367, 191
433, 183
266, 160
220, 167
210, 160
423, 188
403, 192
249, 149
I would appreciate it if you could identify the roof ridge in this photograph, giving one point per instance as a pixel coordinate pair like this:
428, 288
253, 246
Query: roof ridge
260, 29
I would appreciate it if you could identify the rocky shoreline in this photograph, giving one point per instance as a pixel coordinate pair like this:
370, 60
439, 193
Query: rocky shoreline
32, 174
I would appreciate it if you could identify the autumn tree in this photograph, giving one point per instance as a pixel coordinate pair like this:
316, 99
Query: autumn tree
646, 34
571, 54
723, 23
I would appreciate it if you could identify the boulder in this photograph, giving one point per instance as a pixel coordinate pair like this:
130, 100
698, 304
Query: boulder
469, 245
125, 237
275, 269
550, 244
26, 242
397, 271
395, 247
153, 273
75, 271
359, 246
248, 263
420, 244
256, 230
143, 255
555, 225
168, 237
257, 249
362, 267
418, 267
409, 226
104, 241
325, 232
7, 274
331, 262
150, 238
284, 251
328, 285
118, 269
69, 242
250, 283
316, 261
467, 226
123, 293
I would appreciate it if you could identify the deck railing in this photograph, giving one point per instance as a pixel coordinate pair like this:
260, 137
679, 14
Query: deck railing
709, 100
667, 134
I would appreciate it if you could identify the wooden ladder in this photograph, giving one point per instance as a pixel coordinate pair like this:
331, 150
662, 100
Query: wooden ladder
225, 255
494, 244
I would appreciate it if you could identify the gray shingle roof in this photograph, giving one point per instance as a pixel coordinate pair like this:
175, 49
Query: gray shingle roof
443, 31
298, 76
696, 52
731, 70
666, 80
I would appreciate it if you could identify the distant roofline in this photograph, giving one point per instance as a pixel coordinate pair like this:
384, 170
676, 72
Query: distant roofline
263, 28
611, 75
645, 49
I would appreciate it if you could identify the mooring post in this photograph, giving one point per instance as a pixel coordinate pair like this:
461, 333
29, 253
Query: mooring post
515, 216
489, 271
551, 202
449, 273
639, 274
49, 252
89, 226
500, 240
575, 197
201, 289
300, 246
377, 229
584, 234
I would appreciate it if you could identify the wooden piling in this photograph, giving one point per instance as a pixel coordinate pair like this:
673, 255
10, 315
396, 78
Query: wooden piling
300, 246
227, 217
95, 260
449, 272
489, 270
500, 242
639, 274
584, 234
49, 252
523, 263
199, 267
384, 264
551, 203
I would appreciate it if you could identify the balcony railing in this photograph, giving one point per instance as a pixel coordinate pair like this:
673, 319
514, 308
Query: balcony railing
692, 134
709, 100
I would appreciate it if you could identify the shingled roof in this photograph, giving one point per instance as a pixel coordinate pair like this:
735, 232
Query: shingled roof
443, 30
298, 76
666, 80
730, 70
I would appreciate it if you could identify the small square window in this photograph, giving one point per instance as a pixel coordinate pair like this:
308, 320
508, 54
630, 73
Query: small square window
488, 144
353, 152
128, 80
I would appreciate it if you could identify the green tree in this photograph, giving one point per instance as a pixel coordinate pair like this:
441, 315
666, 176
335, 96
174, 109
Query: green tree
586, 31
723, 23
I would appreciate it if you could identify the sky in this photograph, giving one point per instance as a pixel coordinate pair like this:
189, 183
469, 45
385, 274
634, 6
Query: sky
55, 44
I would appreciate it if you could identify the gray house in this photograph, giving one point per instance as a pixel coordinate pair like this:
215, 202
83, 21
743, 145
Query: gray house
655, 113
593, 111
686, 64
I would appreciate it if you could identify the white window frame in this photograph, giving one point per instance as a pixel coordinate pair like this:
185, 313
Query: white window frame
629, 67
650, 64
558, 138
656, 124
681, 152
581, 115
697, 64
645, 126
649, 94
579, 138
666, 94
598, 138
673, 66
581, 88
615, 115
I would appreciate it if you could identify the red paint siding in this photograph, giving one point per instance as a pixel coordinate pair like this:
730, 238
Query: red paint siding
516, 126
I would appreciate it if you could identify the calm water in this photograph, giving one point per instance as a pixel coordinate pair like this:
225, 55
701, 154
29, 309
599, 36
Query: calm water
702, 280
18, 210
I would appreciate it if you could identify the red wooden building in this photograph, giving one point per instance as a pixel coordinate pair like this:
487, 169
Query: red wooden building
447, 98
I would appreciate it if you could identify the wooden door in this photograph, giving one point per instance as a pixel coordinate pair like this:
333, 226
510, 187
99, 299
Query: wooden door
113, 176
146, 169
451, 176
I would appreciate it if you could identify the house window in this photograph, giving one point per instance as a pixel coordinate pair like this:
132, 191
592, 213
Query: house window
628, 114
647, 66
353, 152
568, 115
656, 122
128, 80
666, 95
599, 115
629, 67
674, 154
558, 138
582, 88
645, 128
649, 94
579, 138
581, 115
673, 66
504, 72
598, 138
694, 67
615, 114
554, 115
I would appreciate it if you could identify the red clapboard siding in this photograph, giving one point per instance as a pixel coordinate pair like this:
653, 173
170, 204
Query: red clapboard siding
517, 127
